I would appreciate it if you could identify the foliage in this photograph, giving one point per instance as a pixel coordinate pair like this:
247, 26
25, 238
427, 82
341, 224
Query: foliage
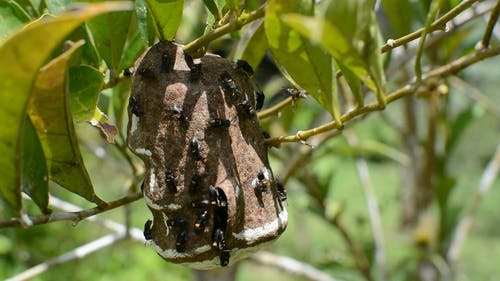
63, 76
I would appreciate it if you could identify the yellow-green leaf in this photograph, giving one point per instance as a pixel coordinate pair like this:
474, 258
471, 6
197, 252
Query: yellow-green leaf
167, 15
21, 55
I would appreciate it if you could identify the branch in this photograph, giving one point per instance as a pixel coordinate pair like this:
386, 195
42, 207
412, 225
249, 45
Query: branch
408, 89
275, 108
232, 25
489, 175
372, 206
438, 24
77, 253
291, 266
73, 216
485, 42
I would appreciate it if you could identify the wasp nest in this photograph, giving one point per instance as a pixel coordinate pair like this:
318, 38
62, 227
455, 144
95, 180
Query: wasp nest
208, 182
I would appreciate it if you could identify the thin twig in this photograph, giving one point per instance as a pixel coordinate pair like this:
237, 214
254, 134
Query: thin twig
408, 89
439, 24
275, 108
485, 42
372, 206
244, 19
77, 253
291, 266
489, 175
75, 217
421, 43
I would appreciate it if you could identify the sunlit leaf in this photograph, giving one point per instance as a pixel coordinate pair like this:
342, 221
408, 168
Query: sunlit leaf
167, 15
57, 6
254, 49
308, 65
49, 110
21, 56
145, 22
85, 83
348, 30
35, 176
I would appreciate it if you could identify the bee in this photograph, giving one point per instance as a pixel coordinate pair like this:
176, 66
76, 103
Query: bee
194, 185
195, 73
266, 135
177, 114
170, 181
167, 63
197, 204
146, 73
245, 67
259, 100
247, 107
134, 106
224, 257
219, 123
148, 232
262, 182
194, 148
281, 191
180, 241
218, 198
201, 222
227, 81
218, 240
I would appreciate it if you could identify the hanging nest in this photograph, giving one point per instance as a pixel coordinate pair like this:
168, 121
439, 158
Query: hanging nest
208, 182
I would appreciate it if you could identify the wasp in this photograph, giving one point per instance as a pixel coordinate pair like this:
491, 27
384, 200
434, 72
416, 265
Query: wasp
180, 241
243, 65
218, 240
281, 191
194, 185
224, 257
247, 107
201, 222
194, 148
177, 114
259, 100
197, 204
219, 123
167, 63
266, 135
227, 81
170, 181
177, 222
134, 106
262, 182
148, 232
195, 73
128, 72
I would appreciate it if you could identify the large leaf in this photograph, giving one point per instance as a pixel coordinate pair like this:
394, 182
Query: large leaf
349, 31
110, 33
85, 83
167, 15
400, 15
21, 56
307, 64
35, 178
253, 49
49, 109
145, 22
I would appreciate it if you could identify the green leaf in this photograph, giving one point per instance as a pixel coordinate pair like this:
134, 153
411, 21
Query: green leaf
85, 83
57, 6
145, 22
348, 30
49, 110
307, 64
253, 49
110, 33
400, 15
212, 7
21, 56
133, 49
167, 15
35, 177
12, 17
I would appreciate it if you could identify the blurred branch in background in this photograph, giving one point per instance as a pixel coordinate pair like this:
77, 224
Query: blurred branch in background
460, 234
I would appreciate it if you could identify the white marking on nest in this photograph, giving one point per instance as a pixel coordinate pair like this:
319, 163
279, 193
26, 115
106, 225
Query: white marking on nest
252, 235
165, 221
173, 254
135, 121
143, 151
152, 180
155, 206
